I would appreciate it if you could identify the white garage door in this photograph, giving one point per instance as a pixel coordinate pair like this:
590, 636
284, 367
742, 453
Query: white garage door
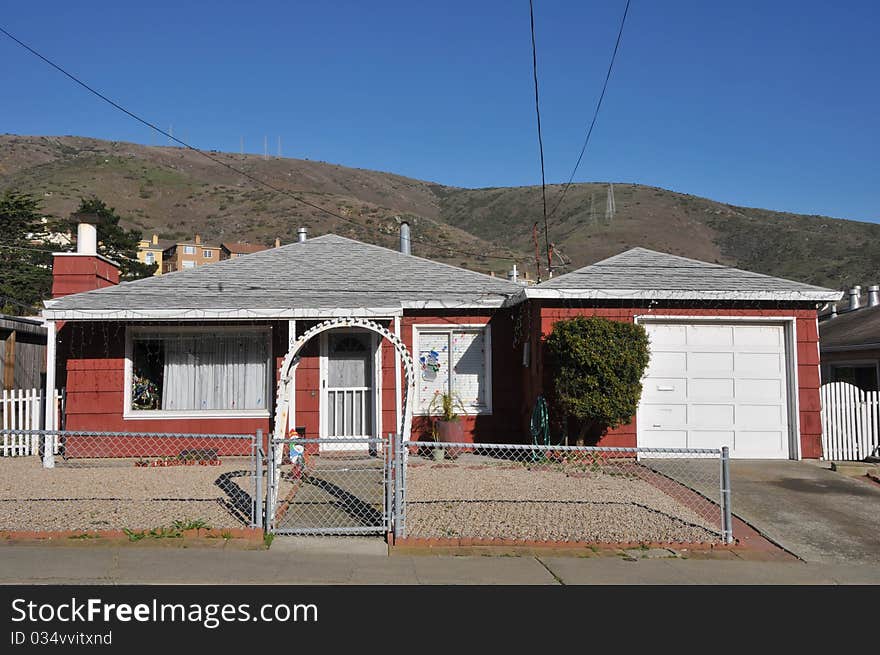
710, 385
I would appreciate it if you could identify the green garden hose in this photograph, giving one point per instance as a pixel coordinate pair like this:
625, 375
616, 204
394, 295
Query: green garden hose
540, 426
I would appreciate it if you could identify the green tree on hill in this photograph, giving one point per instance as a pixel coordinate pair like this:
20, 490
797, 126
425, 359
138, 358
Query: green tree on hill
25, 265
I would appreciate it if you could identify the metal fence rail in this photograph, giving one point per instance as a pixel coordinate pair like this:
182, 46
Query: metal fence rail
86, 480
562, 493
328, 486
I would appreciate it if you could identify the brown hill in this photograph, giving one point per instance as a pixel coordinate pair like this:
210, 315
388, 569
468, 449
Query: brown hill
177, 193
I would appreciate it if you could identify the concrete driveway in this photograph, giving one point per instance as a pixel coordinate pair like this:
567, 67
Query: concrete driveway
808, 509
817, 514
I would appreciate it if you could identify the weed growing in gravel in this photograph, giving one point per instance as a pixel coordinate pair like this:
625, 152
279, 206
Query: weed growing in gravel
84, 535
154, 533
267, 539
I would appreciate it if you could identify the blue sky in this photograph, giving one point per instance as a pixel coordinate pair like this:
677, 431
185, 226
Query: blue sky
767, 104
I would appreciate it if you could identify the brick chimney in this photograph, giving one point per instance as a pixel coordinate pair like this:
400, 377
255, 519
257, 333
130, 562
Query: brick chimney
85, 269
198, 239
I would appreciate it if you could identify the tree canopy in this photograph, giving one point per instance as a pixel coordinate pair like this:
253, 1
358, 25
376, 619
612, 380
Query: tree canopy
25, 264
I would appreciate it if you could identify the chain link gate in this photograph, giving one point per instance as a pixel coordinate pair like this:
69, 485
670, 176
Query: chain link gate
318, 491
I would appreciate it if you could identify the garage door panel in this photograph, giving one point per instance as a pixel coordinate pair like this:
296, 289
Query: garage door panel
662, 336
758, 416
664, 390
758, 364
710, 335
710, 389
724, 386
714, 363
710, 415
761, 443
710, 438
666, 438
758, 335
667, 364
665, 415
755, 389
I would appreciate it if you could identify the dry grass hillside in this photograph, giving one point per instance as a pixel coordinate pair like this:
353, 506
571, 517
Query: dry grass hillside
176, 193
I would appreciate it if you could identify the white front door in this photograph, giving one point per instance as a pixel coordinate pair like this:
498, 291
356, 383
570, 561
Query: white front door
714, 384
347, 405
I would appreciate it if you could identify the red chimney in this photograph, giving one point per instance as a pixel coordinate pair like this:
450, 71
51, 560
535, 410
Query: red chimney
85, 269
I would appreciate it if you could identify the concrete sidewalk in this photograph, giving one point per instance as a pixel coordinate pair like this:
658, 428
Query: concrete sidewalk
293, 565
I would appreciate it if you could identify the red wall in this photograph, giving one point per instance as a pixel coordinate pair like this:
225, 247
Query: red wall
807, 358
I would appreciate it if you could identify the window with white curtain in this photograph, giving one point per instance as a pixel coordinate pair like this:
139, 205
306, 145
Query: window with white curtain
456, 359
199, 371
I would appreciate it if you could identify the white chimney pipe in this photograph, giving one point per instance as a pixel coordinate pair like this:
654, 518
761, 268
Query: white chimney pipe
86, 239
873, 295
513, 275
405, 242
854, 299
302, 234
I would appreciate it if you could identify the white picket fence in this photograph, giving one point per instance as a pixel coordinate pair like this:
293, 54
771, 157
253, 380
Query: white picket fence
25, 409
850, 421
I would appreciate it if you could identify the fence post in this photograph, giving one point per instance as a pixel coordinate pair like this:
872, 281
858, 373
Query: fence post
726, 517
399, 473
389, 480
258, 480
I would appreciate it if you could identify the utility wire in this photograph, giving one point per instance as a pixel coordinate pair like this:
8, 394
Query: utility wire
540, 139
596, 112
217, 160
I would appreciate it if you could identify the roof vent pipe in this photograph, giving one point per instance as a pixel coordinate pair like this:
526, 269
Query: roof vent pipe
302, 234
854, 299
86, 239
405, 241
513, 275
873, 295
833, 313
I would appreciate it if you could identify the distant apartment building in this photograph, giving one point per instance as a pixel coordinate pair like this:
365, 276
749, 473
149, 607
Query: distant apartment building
150, 251
232, 250
188, 254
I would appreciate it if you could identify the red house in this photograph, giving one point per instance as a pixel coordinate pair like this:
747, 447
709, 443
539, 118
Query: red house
734, 354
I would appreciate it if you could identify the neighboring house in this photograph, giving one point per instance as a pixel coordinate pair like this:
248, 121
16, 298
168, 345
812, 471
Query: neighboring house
230, 250
735, 354
150, 251
850, 340
22, 352
188, 254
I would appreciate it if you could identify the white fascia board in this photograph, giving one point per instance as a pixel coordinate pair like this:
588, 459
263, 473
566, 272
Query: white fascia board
679, 294
214, 314
494, 303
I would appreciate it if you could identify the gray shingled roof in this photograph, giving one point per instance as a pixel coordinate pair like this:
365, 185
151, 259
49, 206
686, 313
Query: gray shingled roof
647, 274
329, 273
859, 328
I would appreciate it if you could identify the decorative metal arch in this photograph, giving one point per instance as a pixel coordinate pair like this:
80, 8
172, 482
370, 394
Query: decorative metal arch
292, 359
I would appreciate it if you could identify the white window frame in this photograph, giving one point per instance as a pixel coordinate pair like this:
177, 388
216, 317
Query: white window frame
189, 250
487, 362
149, 258
207, 253
188, 263
139, 414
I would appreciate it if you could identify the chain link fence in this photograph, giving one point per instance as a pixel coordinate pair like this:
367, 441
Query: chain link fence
562, 493
81, 480
338, 485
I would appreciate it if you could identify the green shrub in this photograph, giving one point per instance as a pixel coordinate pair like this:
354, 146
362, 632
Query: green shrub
597, 367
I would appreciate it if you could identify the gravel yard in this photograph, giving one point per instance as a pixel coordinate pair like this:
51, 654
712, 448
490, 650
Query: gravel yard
102, 494
476, 497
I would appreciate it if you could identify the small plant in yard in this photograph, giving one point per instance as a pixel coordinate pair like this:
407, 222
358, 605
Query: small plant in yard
197, 524
84, 535
598, 368
267, 539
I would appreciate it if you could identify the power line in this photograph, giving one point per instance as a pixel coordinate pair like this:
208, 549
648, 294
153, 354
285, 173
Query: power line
216, 160
596, 112
540, 138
